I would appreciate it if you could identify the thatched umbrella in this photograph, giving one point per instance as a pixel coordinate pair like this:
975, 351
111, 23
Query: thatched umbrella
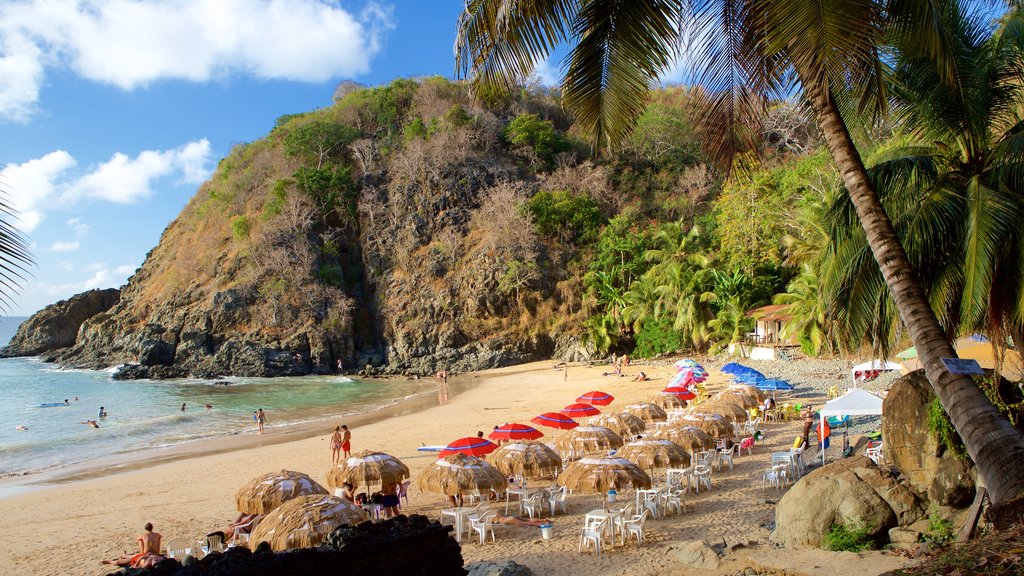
589, 440
647, 412
651, 453
738, 398
526, 458
749, 390
458, 473
691, 438
667, 401
623, 423
598, 475
731, 412
264, 493
714, 424
305, 521
368, 468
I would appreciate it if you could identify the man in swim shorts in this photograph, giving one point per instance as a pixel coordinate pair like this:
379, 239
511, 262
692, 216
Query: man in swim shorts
149, 551
346, 441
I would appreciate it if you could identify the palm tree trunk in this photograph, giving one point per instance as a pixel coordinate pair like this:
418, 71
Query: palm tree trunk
996, 447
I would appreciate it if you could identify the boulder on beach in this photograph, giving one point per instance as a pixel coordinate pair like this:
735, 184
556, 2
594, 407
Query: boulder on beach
913, 449
851, 491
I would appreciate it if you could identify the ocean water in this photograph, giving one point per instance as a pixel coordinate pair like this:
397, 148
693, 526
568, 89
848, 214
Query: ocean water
145, 414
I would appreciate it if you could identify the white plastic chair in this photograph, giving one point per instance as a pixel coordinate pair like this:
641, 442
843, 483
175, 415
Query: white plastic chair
875, 454
403, 492
213, 543
674, 500
178, 548
557, 500
650, 504
776, 476
591, 532
483, 526
746, 444
197, 549
702, 475
635, 527
242, 537
725, 456
534, 505
797, 455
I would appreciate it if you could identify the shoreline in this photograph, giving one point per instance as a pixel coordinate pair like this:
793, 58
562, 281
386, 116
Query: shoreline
195, 494
14, 485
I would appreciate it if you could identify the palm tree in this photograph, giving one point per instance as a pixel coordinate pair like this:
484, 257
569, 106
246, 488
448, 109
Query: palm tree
807, 306
15, 255
954, 190
679, 276
748, 49
731, 325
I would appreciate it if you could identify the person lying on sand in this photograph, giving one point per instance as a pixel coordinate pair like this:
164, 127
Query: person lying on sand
519, 521
641, 377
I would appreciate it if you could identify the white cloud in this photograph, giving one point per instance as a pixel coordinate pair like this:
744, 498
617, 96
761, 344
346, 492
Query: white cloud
129, 44
63, 246
38, 185
80, 228
547, 73
103, 276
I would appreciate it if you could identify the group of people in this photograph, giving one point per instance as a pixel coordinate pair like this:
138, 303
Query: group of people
341, 442
148, 554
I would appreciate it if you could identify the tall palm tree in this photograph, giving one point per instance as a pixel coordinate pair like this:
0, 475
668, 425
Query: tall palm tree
954, 191
15, 255
748, 49
731, 325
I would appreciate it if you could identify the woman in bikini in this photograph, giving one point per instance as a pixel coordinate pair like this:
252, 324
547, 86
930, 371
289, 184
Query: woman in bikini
336, 445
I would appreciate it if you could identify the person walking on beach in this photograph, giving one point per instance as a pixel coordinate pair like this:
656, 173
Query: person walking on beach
261, 419
336, 445
346, 441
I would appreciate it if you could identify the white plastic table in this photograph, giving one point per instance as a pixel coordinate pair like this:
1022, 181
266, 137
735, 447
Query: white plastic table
611, 518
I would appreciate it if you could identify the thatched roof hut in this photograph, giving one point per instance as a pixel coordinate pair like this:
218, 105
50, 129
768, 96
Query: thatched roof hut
305, 521
458, 474
366, 469
598, 475
526, 458
264, 493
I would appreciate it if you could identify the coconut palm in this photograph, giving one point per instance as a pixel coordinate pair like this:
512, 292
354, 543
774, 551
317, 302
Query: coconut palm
954, 189
731, 325
807, 305
15, 255
749, 50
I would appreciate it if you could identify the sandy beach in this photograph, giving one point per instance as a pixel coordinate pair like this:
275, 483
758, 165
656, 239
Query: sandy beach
68, 528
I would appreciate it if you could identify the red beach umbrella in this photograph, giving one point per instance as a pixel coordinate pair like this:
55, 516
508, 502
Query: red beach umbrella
596, 397
680, 392
580, 410
555, 420
470, 446
515, 432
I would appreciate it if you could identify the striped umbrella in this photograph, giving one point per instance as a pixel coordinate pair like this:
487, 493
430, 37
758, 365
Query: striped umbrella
470, 446
555, 420
686, 363
515, 431
596, 397
579, 410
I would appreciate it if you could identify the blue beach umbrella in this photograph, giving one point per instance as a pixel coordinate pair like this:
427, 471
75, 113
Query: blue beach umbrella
733, 368
747, 379
773, 385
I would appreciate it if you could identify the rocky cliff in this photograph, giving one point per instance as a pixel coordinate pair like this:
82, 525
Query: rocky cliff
56, 326
384, 230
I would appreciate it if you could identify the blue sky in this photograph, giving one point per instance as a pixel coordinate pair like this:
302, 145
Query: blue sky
114, 111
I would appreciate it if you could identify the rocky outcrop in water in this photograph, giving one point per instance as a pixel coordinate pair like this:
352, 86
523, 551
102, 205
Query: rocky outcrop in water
57, 325
386, 230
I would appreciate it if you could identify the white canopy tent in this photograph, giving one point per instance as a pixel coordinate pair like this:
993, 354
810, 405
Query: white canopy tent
856, 402
864, 369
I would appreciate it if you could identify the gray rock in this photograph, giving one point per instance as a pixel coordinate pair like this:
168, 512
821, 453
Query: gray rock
903, 536
696, 553
57, 325
508, 568
913, 449
852, 491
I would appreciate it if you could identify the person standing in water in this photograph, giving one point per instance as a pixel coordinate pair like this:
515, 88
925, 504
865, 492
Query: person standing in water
261, 421
103, 412
182, 406
336, 445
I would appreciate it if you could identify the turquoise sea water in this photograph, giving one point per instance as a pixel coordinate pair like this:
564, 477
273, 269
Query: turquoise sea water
145, 414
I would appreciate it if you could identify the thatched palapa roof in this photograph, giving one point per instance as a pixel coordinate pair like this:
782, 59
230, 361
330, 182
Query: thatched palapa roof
305, 521
264, 493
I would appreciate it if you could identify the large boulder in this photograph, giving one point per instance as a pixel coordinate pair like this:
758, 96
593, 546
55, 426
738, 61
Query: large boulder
851, 491
913, 449
56, 326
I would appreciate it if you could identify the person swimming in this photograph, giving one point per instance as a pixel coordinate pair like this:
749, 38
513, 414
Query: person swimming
92, 423
22, 428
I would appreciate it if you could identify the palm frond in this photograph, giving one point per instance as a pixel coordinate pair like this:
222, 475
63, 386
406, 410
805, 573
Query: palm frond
15, 253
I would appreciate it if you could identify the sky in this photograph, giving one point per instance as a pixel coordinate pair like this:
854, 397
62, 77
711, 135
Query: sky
113, 112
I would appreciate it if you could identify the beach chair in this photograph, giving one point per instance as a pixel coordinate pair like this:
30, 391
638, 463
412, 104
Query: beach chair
534, 505
178, 548
213, 543
591, 533
776, 476
557, 500
746, 444
673, 500
725, 456
242, 537
635, 527
701, 476
483, 526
